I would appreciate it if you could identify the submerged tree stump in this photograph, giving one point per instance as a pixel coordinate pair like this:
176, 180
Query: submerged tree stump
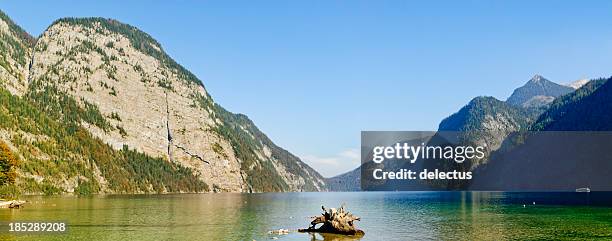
12, 204
337, 221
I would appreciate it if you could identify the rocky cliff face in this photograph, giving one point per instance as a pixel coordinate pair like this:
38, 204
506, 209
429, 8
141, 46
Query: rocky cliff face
146, 102
15, 48
134, 96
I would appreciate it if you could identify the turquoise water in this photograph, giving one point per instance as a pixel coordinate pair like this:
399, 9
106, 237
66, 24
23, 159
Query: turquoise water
385, 216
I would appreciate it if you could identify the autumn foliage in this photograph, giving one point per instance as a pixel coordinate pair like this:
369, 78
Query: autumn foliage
8, 165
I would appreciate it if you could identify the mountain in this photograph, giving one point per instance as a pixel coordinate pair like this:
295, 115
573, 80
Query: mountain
115, 98
537, 92
547, 157
540, 159
486, 121
43, 154
346, 182
486, 113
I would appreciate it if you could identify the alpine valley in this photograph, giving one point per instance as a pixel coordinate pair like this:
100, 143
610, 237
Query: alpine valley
94, 105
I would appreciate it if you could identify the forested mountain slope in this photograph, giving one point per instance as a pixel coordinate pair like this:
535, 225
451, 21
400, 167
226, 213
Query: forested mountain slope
113, 85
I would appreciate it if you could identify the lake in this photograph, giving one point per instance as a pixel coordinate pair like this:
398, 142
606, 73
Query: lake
385, 216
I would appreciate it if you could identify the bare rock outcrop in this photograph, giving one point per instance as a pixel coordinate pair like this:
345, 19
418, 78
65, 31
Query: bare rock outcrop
15, 54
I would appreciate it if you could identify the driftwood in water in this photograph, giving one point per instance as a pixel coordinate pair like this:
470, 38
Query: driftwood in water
11, 204
337, 221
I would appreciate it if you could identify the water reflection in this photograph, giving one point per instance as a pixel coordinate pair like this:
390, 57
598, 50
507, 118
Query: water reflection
385, 216
472, 217
332, 237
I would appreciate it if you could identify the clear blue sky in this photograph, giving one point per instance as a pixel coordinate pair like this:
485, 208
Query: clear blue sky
313, 74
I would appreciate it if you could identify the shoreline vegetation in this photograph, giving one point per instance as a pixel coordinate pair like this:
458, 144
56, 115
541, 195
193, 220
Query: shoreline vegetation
19, 195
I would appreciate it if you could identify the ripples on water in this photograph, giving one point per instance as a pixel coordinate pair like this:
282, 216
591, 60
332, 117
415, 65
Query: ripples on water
385, 216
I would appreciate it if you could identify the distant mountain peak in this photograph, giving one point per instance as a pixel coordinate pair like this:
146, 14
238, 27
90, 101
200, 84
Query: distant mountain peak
540, 88
537, 78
